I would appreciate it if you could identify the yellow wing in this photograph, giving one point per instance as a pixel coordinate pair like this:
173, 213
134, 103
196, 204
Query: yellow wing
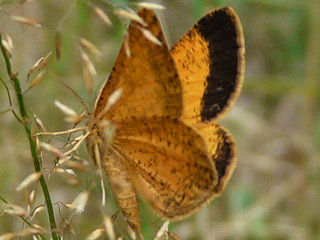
175, 159
222, 153
149, 79
210, 63
169, 163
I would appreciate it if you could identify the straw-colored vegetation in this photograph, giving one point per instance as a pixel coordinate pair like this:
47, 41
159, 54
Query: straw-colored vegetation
274, 192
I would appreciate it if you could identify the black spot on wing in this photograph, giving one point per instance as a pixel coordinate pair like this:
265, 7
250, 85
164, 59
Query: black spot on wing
220, 30
223, 160
224, 156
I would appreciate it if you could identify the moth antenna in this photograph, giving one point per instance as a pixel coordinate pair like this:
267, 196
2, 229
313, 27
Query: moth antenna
76, 95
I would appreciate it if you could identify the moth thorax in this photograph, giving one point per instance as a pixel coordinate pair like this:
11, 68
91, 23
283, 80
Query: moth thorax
101, 135
106, 130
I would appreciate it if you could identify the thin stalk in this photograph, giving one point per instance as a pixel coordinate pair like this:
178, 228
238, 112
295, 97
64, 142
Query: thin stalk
27, 126
24, 219
10, 101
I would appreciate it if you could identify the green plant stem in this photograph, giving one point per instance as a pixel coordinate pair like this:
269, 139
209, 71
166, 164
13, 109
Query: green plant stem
33, 147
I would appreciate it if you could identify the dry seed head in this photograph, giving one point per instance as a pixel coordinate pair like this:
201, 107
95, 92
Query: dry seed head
71, 172
69, 227
129, 14
38, 144
73, 180
114, 97
103, 16
9, 51
68, 174
150, 36
36, 211
45, 60
87, 79
14, 210
9, 41
109, 130
126, 45
88, 63
72, 116
8, 45
51, 149
79, 202
8, 236
40, 64
90, 47
151, 5
26, 194
59, 170
35, 67
28, 21
66, 110
162, 231
132, 233
37, 79
77, 166
95, 234
89, 71
74, 119
77, 139
28, 180
63, 159
39, 123
32, 198
39, 227
108, 225
29, 231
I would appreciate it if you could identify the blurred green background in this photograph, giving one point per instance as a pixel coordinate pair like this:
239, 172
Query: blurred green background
274, 192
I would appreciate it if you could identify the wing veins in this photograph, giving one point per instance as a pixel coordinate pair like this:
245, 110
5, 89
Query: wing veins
150, 143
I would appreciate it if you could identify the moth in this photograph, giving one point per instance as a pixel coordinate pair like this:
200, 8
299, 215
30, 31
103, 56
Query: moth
166, 144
